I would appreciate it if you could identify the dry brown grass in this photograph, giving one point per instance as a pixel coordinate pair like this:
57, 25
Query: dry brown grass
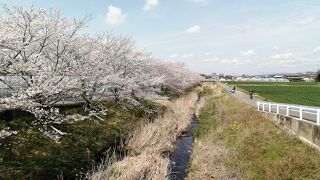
208, 160
149, 146
159, 136
143, 166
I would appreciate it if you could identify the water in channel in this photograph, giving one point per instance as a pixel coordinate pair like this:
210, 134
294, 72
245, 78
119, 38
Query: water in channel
180, 158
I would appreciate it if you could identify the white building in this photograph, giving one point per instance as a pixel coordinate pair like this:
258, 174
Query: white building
254, 79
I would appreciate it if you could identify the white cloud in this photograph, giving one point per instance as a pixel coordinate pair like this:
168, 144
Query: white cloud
225, 61
183, 56
204, 2
244, 28
305, 20
249, 60
230, 61
115, 16
282, 56
317, 49
289, 59
187, 56
150, 4
275, 47
213, 59
250, 52
249, 27
208, 53
193, 29
174, 56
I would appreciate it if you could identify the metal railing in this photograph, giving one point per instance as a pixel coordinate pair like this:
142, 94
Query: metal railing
299, 112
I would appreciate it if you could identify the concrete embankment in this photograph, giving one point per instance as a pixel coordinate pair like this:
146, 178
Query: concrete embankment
306, 131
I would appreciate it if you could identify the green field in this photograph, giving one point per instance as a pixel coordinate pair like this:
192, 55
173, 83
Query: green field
293, 92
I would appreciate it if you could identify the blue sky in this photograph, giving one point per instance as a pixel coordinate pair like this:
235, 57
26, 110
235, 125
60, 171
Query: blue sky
234, 36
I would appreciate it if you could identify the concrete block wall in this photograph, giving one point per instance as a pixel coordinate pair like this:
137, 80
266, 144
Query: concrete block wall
305, 130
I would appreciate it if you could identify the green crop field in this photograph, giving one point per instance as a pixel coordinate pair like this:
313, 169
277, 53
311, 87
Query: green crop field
293, 93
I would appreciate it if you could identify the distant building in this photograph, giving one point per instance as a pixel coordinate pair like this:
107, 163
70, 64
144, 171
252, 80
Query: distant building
244, 76
259, 79
215, 76
228, 78
308, 79
294, 77
278, 76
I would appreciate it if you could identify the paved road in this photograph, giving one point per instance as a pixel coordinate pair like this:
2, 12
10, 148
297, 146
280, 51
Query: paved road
242, 96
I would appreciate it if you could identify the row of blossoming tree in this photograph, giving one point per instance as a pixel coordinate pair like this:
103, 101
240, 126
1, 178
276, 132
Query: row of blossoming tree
45, 59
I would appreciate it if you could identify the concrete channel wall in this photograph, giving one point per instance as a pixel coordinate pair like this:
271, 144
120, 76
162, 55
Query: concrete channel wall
307, 131
302, 121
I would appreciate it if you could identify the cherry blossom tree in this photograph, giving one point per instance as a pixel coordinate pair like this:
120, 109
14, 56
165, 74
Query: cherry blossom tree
36, 49
177, 76
44, 59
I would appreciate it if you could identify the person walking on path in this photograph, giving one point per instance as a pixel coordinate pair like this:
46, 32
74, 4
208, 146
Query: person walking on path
233, 90
251, 94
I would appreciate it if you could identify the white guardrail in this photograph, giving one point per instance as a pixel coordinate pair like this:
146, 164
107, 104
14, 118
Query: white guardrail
300, 112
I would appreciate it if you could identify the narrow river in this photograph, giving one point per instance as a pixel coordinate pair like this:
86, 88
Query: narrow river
180, 158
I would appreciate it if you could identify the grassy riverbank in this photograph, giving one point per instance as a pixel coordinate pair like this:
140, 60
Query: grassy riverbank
32, 155
234, 141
